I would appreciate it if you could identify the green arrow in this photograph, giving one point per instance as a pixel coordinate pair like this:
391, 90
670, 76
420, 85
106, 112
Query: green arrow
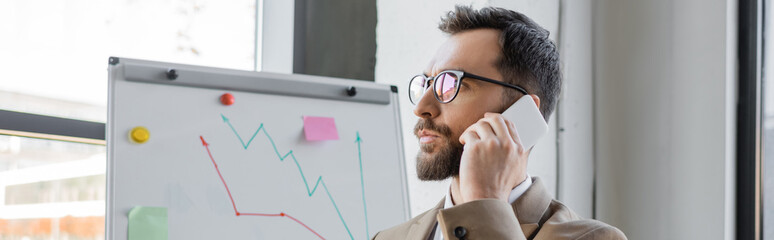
358, 140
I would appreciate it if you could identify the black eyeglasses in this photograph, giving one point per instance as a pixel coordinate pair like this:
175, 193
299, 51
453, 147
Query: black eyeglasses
446, 85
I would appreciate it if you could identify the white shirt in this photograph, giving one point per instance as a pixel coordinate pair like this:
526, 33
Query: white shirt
515, 194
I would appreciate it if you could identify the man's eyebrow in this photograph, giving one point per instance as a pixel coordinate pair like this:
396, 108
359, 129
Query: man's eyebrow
446, 69
455, 69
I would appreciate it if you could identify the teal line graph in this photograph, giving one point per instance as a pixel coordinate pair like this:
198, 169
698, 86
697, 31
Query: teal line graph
362, 185
319, 181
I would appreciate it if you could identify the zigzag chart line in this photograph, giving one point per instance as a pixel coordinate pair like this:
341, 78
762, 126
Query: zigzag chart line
309, 191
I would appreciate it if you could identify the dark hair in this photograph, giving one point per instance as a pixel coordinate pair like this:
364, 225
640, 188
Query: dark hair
529, 58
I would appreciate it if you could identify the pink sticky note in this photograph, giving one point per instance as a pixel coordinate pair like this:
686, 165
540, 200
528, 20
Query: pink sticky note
320, 128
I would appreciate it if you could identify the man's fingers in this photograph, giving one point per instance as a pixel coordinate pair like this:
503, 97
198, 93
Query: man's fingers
504, 128
483, 129
469, 136
498, 124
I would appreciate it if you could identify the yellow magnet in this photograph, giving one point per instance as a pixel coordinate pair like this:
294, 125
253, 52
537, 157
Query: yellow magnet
139, 135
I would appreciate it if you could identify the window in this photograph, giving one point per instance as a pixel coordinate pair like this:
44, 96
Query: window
51, 189
54, 58
59, 48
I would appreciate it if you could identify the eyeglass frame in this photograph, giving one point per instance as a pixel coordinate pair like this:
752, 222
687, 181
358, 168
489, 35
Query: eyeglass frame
461, 75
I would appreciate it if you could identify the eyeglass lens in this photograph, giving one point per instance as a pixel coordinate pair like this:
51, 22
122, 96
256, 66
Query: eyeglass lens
445, 87
417, 88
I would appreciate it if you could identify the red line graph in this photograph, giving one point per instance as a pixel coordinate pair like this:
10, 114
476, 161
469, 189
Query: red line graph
233, 204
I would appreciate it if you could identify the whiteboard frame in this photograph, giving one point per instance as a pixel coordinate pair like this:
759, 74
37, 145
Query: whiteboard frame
126, 69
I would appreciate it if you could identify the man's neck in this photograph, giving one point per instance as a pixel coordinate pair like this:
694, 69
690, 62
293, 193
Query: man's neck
455, 189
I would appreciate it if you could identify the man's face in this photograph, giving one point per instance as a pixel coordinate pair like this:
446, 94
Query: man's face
441, 124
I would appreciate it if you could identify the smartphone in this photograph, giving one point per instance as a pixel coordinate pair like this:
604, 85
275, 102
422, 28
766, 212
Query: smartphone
529, 123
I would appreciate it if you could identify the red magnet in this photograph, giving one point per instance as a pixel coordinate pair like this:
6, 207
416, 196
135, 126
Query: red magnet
227, 99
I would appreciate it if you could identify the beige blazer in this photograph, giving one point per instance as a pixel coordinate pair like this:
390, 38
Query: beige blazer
534, 215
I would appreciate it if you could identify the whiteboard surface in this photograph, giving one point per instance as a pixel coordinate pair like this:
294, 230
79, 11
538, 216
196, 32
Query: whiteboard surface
283, 186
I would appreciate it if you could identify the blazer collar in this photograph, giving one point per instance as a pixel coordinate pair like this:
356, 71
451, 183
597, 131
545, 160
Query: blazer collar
422, 228
530, 207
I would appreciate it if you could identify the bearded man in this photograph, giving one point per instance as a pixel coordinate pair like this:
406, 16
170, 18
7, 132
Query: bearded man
492, 57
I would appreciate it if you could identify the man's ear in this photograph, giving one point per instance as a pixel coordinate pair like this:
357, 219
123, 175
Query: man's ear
536, 99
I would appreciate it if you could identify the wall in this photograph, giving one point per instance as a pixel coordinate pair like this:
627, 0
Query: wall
665, 110
575, 138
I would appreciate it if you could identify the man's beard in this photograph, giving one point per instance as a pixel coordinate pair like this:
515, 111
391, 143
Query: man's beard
445, 162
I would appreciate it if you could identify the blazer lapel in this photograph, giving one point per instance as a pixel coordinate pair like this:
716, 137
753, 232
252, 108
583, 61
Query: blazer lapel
424, 225
531, 206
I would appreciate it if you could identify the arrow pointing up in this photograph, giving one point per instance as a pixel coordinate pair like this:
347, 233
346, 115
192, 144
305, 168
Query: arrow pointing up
358, 140
224, 118
204, 143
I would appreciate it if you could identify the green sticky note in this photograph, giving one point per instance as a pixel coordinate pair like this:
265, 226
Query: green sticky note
148, 223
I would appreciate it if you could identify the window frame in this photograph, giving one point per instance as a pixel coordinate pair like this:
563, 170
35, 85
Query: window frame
50, 127
749, 186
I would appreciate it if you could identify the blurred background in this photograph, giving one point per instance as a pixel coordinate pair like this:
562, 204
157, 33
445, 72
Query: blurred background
662, 130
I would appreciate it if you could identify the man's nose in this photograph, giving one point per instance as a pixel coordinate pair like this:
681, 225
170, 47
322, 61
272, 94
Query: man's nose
427, 107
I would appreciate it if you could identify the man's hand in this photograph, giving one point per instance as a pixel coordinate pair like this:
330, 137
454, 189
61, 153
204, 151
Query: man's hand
493, 159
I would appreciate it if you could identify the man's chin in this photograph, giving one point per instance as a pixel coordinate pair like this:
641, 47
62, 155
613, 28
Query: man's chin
428, 153
426, 158
431, 168
427, 148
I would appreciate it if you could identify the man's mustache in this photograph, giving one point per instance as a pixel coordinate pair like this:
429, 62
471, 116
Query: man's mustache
423, 124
